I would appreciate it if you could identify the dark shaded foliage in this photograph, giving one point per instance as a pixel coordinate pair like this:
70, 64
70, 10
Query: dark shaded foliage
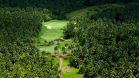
58, 7
96, 2
107, 46
120, 14
19, 58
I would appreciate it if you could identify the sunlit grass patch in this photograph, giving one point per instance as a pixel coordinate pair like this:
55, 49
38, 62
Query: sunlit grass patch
52, 30
72, 73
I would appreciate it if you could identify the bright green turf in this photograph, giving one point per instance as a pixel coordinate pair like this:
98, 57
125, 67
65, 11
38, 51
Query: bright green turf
65, 61
48, 34
52, 34
56, 60
72, 74
55, 32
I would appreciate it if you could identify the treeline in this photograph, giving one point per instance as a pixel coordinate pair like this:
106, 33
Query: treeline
107, 43
56, 3
122, 13
19, 58
96, 2
58, 7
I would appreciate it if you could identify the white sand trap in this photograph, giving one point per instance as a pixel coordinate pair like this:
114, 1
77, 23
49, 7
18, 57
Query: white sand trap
49, 27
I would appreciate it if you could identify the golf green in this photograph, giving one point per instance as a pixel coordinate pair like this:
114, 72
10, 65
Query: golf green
51, 31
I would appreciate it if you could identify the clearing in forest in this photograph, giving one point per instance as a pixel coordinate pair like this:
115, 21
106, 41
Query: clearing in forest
51, 36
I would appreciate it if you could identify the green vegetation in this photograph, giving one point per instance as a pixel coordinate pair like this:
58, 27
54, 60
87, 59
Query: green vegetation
69, 38
52, 30
51, 47
106, 43
51, 33
82, 13
59, 7
70, 72
19, 58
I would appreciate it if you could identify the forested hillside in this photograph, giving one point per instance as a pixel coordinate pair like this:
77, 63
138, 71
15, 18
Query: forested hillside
69, 38
59, 7
107, 43
19, 58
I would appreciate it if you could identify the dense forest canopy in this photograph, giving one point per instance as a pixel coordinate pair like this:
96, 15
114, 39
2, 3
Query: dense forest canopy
107, 43
58, 7
19, 58
62, 3
105, 37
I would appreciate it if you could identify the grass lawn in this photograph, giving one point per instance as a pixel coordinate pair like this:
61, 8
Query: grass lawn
72, 74
52, 30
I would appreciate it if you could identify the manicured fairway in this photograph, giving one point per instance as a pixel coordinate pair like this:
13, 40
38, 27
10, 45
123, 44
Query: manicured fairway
51, 31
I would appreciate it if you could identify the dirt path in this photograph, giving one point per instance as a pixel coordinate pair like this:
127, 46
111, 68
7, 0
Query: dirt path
60, 62
60, 68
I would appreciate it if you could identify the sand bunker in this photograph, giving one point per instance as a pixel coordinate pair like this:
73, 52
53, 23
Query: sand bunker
49, 27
